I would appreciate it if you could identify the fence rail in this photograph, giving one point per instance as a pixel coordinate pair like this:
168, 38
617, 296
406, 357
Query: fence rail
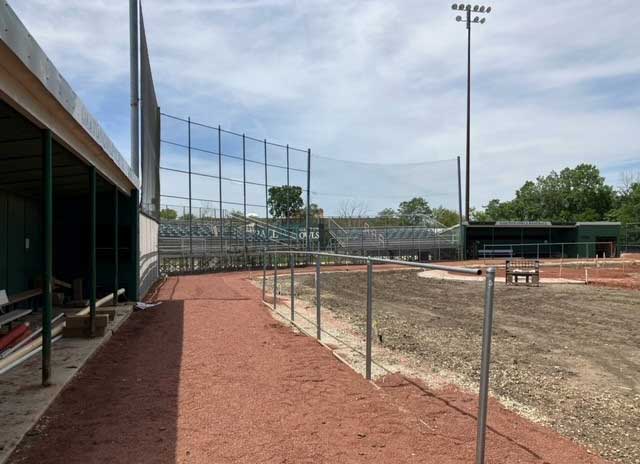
549, 250
368, 355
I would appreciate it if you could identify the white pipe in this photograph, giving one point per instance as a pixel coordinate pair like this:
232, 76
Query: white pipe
9, 360
25, 357
84, 311
30, 338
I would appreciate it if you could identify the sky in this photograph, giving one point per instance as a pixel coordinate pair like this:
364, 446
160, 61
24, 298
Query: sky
554, 84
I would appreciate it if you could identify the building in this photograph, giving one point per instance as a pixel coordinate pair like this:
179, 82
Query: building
69, 202
540, 239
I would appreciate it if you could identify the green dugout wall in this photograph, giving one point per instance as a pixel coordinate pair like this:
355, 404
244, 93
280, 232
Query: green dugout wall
541, 239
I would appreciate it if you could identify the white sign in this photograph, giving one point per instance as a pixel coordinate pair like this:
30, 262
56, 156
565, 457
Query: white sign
3, 297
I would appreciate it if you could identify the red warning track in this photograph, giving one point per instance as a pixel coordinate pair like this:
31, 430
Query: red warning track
210, 377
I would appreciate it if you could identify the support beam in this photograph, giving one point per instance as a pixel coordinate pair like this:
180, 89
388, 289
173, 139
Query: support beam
47, 303
116, 245
92, 251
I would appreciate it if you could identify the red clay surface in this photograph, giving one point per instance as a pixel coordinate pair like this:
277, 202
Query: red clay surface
210, 377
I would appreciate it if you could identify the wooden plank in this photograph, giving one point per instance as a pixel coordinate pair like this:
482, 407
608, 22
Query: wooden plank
13, 315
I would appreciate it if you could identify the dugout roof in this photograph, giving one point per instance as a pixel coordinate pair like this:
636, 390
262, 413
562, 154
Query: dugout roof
31, 84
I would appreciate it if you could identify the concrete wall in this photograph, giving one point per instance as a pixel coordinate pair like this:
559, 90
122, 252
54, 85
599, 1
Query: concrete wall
149, 263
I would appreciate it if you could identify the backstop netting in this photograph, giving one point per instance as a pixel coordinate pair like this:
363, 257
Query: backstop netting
215, 199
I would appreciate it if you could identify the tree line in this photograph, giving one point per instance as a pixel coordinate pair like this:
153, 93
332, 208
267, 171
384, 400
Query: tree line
573, 194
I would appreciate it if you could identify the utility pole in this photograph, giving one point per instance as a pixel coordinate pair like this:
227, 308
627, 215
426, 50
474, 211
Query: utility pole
468, 9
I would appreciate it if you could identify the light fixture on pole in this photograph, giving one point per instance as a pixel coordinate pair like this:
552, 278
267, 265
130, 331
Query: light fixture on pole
468, 9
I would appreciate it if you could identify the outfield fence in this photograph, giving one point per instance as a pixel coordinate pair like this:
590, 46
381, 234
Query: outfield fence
288, 261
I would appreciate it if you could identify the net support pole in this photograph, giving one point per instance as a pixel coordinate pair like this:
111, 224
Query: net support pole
264, 273
220, 191
244, 199
266, 194
275, 280
308, 212
47, 303
369, 318
318, 315
292, 259
134, 78
190, 210
461, 245
485, 364
92, 251
116, 246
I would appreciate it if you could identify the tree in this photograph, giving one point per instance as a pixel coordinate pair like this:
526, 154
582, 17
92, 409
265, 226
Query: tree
446, 217
627, 208
315, 212
387, 213
285, 201
414, 210
573, 194
168, 214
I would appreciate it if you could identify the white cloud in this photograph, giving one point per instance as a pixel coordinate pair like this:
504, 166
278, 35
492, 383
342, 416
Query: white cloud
554, 84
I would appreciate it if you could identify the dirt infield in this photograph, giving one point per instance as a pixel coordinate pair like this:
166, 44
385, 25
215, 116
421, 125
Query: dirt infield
210, 377
565, 355
610, 272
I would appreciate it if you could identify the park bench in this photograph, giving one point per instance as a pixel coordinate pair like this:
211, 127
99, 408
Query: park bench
495, 253
529, 269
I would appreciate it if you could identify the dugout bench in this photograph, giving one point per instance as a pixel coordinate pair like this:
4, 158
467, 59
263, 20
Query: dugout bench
526, 269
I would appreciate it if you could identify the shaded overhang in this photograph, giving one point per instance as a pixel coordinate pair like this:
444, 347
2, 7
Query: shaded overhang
32, 85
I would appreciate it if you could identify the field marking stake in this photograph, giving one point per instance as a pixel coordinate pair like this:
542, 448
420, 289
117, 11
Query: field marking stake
485, 364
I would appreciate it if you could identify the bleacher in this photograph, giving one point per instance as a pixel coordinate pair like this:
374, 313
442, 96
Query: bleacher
387, 237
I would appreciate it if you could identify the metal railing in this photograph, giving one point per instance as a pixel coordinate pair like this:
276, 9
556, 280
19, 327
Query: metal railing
370, 261
557, 250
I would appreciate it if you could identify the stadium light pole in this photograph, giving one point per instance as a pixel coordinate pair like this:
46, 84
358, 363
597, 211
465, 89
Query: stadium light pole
468, 9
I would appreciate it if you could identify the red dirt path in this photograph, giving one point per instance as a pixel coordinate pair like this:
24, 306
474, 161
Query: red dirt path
210, 377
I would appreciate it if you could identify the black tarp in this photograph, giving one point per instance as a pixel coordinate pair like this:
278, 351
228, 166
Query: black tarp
150, 125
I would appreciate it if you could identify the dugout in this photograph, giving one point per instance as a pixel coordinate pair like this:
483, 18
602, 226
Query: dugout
68, 199
540, 239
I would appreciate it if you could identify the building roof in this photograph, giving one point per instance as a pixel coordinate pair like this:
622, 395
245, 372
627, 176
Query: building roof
18, 84
535, 224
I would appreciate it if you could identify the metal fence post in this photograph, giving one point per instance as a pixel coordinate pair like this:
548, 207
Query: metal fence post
275, 280
292, 259
220, 191
244, 200
190, 210
264, 273
318, 320
485, 364
369, 317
